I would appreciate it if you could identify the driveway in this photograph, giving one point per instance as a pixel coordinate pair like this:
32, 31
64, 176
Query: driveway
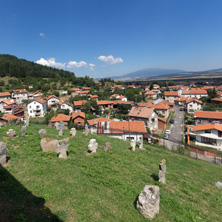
176, 129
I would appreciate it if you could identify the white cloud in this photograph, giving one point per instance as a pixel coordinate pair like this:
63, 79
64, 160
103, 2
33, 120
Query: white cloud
91, 66
74, 64
51, 62
41, 34
110, 59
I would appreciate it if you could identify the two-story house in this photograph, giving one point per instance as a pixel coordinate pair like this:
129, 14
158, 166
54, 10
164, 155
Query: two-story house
147, 115
65, 106
52, 100
194, 93
20, 95
4, 96
37, 108
171, 96
202, 117
193, 105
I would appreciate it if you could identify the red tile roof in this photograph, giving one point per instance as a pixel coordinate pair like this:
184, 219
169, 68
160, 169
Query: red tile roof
162, 119
4, 94
9, 116
52, 96
20, 91
77, 114
194, 92
75, 89
142, 112
207, 126
60, 117
207, 115
84, 92
123, 127
40, 100
116, 102
171, 93
9, 101
93, 96
189, 100
216, 99
150, 93
104, 102
151, 105
79, 103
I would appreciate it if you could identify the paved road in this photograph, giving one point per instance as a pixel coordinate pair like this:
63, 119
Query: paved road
176, 129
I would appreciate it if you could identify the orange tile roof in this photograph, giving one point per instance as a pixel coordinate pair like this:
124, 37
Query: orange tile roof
217, 99
171, 93
37, 92
104, 102
4, 94
121, 97
75, 89
9, 101
61, 102
150, 93
155, 85
100, 119
84, 92
81, 114
93, 96
114, 95
162, 119
20, 91
207, 115
194, 92
142, 112
60, 117
123, 127
40, 100
79, 103
191, 100
116, 102
9, 116
52, 96
207, 126
86, 88
151, 105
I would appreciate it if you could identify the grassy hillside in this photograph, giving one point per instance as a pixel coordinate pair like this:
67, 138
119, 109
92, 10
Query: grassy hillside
103, 186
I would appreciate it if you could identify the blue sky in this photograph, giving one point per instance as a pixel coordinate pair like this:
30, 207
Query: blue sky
102, 38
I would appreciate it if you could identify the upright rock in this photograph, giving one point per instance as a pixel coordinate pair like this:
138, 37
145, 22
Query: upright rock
3, 151
73, 132
27, 122
141, 142
10, 133
107, 147
23, 130
86, 131
218, 184
162, 171
133, 145
93, 146
42, 132
58, 146
148, 201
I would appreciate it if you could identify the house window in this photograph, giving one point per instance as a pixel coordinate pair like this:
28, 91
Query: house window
30, 107
31, 111
219, 134
153, 119
208, 131
190, 105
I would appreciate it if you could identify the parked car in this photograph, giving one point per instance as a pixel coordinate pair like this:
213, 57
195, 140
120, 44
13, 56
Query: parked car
167, 132
181, 109
172, 121
166, 136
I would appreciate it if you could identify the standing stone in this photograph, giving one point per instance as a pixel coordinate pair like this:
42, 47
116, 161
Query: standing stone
107, 147
73, 132
57, 146
56, 125
218, 184
162, 171
86, 131
10, 133
148, 201
60, 133
10, 122
93, 146
60, 127
23, 130
141, 142
133, 145
3, 151
27, 122
42, 132
18, 122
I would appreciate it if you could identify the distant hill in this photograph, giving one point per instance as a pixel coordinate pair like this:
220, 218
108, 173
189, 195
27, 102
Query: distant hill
20, 68
147, 73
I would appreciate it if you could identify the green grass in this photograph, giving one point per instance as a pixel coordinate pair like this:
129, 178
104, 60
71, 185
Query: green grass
104, 186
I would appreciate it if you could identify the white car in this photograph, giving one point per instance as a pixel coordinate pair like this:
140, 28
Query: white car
167, 132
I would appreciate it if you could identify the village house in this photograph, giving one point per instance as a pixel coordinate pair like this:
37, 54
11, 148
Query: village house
37, 108
52, 100
19, 95
95, 97
5, 96
65, 106
93, 123
193, 105
84, 93
171, 96
77, 105
105, 104
75, 91
151, 94
123, 130
6, 118
217, 101
147, 115
60, 118
194, 93
155, 86
209, 134
7, 106
117, 87
78, 118
37, 94
202, 117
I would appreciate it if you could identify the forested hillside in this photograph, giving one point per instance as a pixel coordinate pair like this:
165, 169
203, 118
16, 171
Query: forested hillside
18, 73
